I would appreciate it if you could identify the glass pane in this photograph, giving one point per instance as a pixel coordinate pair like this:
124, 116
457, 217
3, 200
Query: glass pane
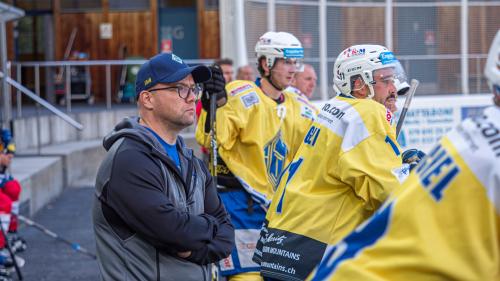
177, 3
34, 4
128, 5
80, 6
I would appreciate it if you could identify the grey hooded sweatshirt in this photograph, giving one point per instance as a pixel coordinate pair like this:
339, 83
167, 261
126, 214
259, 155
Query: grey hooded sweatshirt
146, 210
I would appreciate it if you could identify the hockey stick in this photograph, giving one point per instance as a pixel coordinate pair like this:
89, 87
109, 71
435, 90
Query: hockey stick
213, 139
14, 261
42, 228
409, 97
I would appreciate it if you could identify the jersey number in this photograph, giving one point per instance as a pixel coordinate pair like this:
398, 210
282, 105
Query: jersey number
292, 170
393, 145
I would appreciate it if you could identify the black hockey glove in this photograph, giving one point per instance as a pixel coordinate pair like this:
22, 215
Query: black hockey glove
215, 86
412, 157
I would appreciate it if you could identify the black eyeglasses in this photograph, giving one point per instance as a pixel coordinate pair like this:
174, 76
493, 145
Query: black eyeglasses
183, 91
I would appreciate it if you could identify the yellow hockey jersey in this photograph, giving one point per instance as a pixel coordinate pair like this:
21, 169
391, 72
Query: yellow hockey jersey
256, 136
346, 167
443, 224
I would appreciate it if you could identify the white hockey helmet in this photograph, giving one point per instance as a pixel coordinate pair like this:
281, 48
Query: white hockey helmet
492, 68
361, 61
273, 45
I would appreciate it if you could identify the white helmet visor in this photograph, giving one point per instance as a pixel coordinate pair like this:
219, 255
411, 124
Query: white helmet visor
391, 70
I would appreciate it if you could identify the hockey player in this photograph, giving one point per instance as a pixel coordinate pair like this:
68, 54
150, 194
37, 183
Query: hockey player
444, 223
10, 191
258, 132
346, 167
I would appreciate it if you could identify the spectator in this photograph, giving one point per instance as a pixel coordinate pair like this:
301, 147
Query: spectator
305, 81
245, 73
157, 215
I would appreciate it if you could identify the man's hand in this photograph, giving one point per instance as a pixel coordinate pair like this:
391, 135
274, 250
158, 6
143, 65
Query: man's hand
412, 157
215, 86
184, 255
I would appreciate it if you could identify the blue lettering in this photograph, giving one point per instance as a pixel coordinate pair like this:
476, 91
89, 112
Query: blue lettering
437, 172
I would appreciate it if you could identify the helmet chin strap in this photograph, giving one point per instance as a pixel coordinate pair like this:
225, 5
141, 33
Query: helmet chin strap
270, 80
372, 92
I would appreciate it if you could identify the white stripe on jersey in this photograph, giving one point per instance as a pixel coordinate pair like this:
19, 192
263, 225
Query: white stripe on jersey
343, 120
256, 196
478, 143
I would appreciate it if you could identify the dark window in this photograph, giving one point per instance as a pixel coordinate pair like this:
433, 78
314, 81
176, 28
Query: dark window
211, 4
80, 6
177, 3
34, 4
128, 5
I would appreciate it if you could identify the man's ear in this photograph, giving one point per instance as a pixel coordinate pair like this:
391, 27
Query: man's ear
146, 99
263, 65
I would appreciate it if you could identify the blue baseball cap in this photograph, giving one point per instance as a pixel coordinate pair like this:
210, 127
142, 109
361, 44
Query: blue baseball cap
167, 68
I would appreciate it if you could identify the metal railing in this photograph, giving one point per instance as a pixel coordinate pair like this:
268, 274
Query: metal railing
36, 65
43, 103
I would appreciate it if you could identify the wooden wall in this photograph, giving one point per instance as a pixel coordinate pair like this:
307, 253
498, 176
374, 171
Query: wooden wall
137, 31
208, 32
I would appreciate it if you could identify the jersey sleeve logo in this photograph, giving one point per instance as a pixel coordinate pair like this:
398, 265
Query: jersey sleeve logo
275, 152
307, 112
250, 99
240, 89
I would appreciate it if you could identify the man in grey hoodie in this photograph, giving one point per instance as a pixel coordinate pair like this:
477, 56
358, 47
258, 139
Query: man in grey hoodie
157, 215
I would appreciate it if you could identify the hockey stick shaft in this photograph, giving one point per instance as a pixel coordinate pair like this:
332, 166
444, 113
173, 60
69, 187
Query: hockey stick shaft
45, 230
213, 138
409, 97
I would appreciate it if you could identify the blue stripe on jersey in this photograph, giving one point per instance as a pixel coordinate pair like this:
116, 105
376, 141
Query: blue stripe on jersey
364, 236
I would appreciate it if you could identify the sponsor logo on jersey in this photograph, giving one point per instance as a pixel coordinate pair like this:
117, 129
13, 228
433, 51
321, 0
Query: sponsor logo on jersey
307, 112
240, 89
275, 152
401, 173
489, 132
389, 116
226, 264
333, 111
250, 99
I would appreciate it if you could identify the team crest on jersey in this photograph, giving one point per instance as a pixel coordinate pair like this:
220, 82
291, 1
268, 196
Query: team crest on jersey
250, 99
275, 153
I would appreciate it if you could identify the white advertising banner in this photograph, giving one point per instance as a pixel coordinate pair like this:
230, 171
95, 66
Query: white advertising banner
429, 118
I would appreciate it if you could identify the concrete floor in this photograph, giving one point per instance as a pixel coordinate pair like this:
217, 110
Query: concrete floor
48, 259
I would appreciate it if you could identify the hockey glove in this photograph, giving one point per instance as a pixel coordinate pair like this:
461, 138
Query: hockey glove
215, 86
412, 157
